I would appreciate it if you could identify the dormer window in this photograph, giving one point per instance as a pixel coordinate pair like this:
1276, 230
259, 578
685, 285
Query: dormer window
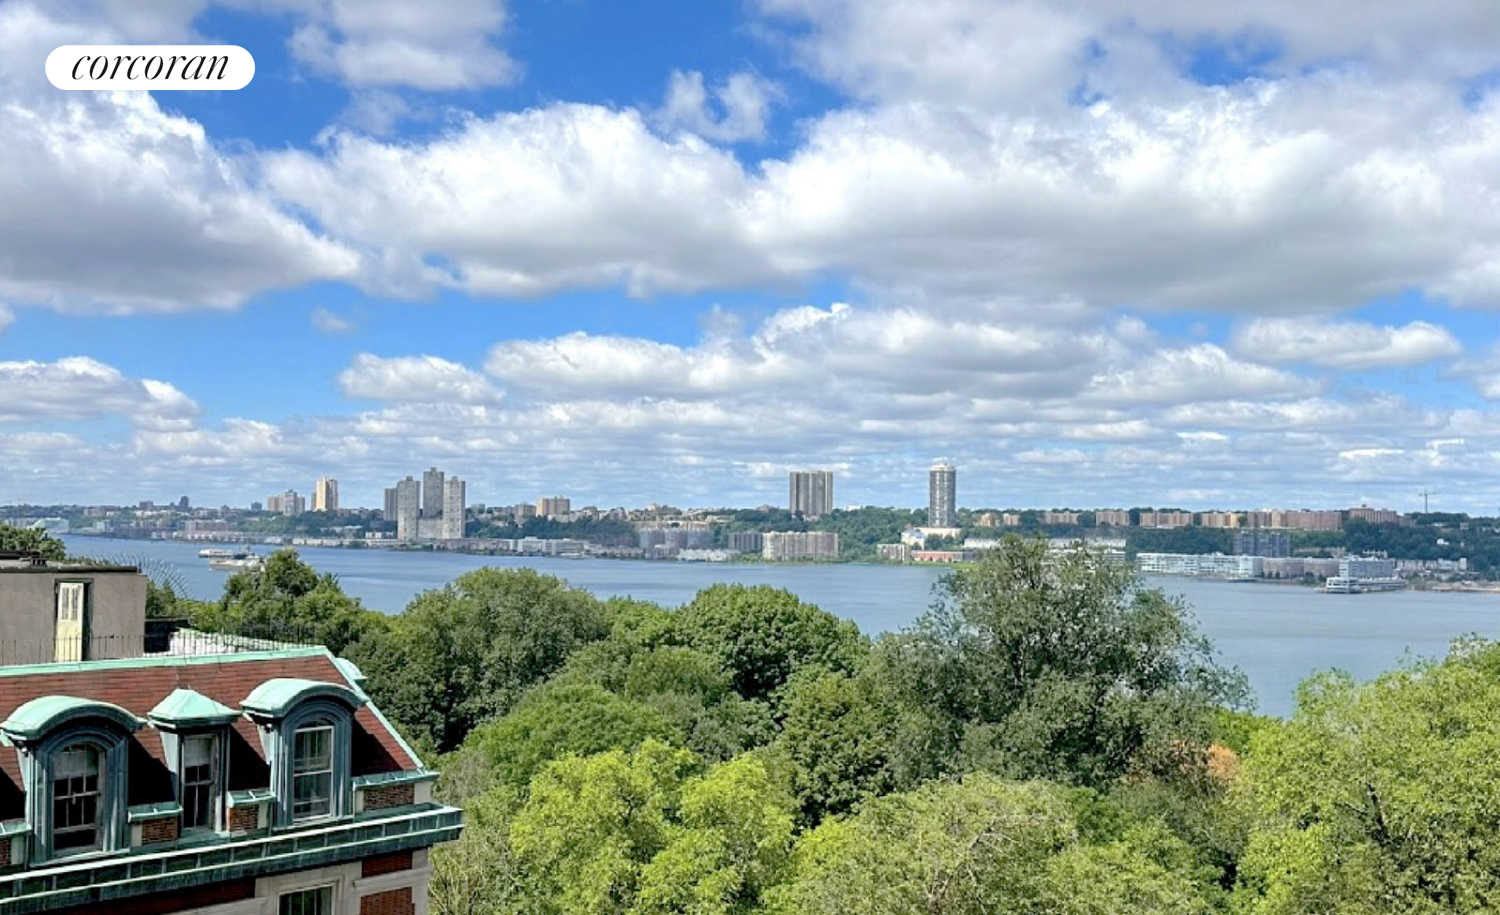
306, 728
194, 735
75, 799
74, 759
312, 771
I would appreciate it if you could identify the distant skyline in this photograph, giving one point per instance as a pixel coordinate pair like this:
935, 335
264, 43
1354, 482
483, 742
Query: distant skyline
1095, 254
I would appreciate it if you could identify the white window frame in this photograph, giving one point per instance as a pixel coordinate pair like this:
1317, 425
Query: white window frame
328, 906
330, 735
98, 794
215, 795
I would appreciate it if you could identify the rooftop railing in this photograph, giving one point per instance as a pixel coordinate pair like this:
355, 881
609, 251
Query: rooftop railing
158, 641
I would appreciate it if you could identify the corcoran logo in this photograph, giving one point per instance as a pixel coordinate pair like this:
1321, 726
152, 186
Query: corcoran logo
155, 66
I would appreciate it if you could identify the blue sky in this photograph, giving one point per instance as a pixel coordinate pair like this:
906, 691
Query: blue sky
1096, 252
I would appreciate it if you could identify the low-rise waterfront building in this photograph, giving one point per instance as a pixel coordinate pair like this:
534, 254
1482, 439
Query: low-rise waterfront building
778, 546
1210, 565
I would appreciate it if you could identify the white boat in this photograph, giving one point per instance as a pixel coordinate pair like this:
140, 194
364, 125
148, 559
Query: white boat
242, 562
221, 553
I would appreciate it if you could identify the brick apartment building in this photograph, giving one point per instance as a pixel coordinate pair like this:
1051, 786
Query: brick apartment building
256, 781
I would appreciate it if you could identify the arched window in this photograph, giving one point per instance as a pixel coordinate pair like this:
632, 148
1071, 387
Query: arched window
75, 760
76, 798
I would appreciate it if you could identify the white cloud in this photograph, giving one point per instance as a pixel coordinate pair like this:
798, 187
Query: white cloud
421, 379
108, 203
329, 322
743, 102
76, 388
430, 46
1349, 345
1198, 374
1010, 53
1312, 194
525, 203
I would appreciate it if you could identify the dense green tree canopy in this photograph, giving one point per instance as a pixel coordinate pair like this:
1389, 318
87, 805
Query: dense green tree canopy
980, 846
763, 635
562, 718
467, 652
651, 833
1381, 798
1057, 665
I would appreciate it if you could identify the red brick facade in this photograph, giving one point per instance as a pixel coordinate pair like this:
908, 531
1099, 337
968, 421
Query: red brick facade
5, 845
244, 819
385, 864
159, 830
383, 796
391, 902
164, 903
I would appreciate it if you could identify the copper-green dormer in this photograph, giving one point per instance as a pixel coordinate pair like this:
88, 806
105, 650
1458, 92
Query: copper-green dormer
276, 697
39, 717
186, 708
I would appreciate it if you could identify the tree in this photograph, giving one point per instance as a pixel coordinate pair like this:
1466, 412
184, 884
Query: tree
32, 540
479, 874
558, 719
466, 652
651, 833
1057, 665
287, 599
838, 736
763, 635
1382, 797
979, 846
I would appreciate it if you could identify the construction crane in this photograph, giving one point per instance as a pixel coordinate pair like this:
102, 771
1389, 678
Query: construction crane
1424, 494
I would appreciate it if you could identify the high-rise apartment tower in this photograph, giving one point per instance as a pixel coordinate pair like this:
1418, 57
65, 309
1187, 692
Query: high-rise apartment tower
811, 492
326, 495
408, 508
453, 509
942, 496
432, 493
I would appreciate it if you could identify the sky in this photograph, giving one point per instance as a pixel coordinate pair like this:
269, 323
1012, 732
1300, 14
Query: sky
1095, 253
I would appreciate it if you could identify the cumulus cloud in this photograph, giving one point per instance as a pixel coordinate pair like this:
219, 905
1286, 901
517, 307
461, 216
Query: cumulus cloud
525, 203
422, 379
430, 46
1350, 345
987, 53
1196, 374
108, 203
1311, 194
77, 387
743, 102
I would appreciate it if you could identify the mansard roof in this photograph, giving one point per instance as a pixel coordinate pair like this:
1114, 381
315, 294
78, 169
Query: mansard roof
37, 698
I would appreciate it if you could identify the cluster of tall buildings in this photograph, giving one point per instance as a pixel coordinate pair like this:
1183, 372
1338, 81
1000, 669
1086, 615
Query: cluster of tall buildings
325, 499
430, 509
810, 494
286, 503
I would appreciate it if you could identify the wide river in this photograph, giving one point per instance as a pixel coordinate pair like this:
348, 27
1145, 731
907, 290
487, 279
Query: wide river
1276, 634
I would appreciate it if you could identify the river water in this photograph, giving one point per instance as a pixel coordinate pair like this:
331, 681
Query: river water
1276, 634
